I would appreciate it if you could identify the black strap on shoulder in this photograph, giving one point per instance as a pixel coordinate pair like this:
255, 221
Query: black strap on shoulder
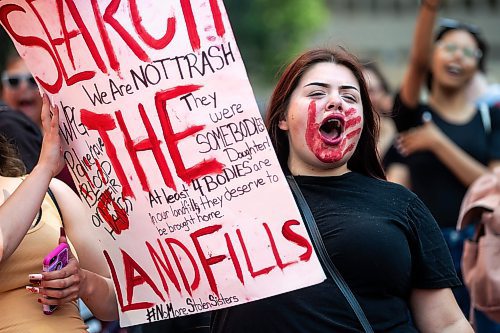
484, 111
53, 197
323, 254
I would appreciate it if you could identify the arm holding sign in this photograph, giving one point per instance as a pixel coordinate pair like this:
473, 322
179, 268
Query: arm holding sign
90, 281
15, 222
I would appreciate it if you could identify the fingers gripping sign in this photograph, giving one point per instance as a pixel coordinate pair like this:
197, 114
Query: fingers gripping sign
51, 153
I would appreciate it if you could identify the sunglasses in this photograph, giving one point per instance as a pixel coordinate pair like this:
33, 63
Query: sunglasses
14, 81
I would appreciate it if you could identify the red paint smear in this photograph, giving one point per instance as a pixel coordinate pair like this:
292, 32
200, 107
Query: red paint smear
248, 261
32, 41
106, 41
157, 153
353, 122
103, 123
350, 112
130, 267
351, 147
196, 281
85, 34
84, 191
353, 133
88, 179
234, 259
167, 267
144, 35
276, 254
118, 224
219, 25
210, 166
127, 38
132, 151
97, 121
82, 76
194, 38
289, 234
101, 172
323, 152
116, 282
86, 162
207, 262
66, 35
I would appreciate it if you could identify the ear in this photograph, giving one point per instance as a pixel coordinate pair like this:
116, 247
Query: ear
283, 125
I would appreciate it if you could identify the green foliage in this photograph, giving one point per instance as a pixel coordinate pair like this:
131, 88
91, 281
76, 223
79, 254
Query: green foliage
269, 32
5, 47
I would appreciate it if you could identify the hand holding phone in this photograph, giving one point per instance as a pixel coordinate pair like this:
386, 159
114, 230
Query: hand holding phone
55, 260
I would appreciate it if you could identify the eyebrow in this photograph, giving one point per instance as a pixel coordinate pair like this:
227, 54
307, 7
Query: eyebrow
346, 86
325, 85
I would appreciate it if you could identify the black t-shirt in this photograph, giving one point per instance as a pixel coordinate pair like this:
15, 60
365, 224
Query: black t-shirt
23, 133
431, 180
383, 241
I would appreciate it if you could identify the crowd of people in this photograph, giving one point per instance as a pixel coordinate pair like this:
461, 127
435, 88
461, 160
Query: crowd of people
384, 174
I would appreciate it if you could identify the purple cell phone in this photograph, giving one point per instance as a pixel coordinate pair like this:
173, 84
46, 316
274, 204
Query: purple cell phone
55, 260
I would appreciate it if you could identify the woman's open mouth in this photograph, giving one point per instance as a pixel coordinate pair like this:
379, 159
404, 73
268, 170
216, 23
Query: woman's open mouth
331, 129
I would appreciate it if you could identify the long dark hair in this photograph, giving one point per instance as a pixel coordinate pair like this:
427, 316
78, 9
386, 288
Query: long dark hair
10, 164
365, 159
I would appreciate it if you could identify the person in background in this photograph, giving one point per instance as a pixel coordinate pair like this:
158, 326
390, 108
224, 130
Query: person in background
28, 144
380, 236
20, 94
20, 90
446, 142
382, 99
30, 224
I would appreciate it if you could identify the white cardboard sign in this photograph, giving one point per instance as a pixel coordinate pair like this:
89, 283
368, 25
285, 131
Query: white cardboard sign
168, 150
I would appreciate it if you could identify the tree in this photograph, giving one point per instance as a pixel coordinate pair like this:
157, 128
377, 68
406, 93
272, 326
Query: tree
269, 32
5, 48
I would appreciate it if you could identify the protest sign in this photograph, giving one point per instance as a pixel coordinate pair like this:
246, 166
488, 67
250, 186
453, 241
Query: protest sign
169, 153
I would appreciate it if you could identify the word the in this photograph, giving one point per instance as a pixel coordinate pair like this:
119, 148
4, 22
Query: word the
104, 123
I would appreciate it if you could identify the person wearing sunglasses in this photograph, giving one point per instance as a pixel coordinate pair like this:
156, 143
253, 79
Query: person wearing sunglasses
19, 93
19, 89
445, 141
23, 126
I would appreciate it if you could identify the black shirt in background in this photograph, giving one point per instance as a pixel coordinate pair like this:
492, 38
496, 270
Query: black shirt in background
384, 242
23, 133
431, 180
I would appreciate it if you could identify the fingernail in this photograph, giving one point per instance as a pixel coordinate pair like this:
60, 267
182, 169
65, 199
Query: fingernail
35, 276
39, 300
63, 233
32, 289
